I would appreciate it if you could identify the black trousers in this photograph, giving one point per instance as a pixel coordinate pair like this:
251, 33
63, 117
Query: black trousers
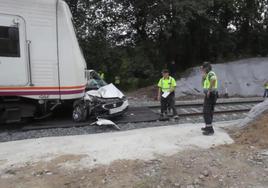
208, 107
168, 102
265, 93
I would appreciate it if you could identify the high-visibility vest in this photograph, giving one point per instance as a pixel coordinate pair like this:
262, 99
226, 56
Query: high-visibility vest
266, 85
166, 85
101, 75
207, 81
117, 80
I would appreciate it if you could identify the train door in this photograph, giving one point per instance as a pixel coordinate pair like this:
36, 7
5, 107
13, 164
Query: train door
13, 51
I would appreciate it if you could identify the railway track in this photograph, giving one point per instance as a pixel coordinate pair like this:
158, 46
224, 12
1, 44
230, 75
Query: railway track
135, 118
189, 112
222, 107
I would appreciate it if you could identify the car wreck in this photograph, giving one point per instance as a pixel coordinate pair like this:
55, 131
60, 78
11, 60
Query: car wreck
101, 100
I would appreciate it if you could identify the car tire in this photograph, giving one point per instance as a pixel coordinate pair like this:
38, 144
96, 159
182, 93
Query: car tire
79, 113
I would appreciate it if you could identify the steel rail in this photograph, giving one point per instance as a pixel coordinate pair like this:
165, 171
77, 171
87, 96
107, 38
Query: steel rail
194, 104
216, 112
69, 125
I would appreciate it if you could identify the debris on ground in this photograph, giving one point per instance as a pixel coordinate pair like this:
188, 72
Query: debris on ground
105, 122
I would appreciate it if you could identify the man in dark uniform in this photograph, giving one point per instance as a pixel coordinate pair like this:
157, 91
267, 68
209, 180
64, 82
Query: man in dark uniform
210, 87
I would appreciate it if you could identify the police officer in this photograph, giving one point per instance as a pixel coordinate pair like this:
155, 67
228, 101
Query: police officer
117, 81
166, 94
210, 87
102, 75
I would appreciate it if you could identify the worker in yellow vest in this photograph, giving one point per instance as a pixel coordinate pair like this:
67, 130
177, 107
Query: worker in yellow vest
117, 81
210, 87
166, 94
265, 89
102, 75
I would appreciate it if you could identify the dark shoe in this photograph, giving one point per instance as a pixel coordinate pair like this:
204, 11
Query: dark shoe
169, 112
204, 128
208, 131
163, 117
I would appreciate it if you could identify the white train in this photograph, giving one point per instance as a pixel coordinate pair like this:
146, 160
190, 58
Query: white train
41, 63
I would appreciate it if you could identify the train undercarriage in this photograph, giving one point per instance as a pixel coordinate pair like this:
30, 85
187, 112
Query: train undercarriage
19, 109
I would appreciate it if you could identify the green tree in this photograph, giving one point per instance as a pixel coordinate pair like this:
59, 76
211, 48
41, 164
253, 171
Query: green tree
135, 39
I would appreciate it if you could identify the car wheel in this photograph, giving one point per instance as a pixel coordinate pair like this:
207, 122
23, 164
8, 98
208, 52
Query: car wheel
79, 113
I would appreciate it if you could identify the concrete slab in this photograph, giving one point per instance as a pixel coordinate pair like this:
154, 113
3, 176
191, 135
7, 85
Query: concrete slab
144, 144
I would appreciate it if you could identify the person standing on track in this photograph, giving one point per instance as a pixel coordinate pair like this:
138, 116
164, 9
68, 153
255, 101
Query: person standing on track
166, 94
210, 87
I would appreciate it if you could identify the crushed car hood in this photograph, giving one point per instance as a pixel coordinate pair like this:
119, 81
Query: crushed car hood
108, 91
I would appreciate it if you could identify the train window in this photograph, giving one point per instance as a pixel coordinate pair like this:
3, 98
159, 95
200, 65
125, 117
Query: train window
9, 42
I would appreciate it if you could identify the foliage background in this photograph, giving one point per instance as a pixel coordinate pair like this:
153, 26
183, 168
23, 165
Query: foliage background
135, 39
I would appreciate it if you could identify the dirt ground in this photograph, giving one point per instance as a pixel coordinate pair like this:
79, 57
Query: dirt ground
256, 134
242, 164
150, 93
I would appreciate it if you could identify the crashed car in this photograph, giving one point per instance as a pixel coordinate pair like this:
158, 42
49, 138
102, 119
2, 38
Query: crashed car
101, 100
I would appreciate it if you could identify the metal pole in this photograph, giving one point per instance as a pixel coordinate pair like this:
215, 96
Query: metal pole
30, 63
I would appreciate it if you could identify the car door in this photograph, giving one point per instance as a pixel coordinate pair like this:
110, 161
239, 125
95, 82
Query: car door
13, 51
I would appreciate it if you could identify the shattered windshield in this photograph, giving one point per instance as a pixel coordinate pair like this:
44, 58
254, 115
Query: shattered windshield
94, 81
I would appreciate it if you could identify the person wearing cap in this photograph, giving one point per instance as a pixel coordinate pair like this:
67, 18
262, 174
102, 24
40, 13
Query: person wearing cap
210, 87
166, 93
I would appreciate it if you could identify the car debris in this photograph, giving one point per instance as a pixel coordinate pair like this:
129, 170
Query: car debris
102, 100
105, 122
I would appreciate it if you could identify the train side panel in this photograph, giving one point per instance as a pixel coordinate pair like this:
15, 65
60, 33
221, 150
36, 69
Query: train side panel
72, 66
39, 46
51, 65
41, 64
